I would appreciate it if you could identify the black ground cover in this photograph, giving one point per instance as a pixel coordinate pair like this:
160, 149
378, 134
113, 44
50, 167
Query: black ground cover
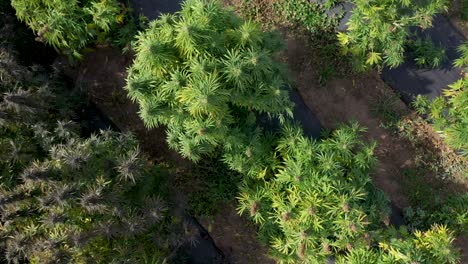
410, 80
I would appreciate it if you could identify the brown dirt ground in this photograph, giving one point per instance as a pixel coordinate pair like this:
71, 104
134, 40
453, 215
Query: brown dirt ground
102, 72
226, 227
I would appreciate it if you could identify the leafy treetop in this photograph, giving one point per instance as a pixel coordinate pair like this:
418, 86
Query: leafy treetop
315, 200
205, 73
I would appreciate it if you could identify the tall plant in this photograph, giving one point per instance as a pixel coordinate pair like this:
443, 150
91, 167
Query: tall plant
315, 200
204, 73
68, 25
378, 30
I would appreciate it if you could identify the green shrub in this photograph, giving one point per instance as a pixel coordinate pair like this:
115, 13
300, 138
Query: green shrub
204, 73
317, 201
378, 30
313, 202
68, 25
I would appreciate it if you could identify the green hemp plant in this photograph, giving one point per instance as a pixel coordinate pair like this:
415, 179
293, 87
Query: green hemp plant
315, 201
205, 74
68, 25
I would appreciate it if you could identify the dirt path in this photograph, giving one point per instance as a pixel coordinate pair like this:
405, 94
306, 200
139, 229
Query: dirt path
103, 73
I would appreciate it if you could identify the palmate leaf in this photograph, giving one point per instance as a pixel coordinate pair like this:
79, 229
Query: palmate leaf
204, 97
164, 26
248, 34
250, 201
457, 137
104, 13
258, 64
189, 38
155, 113
205, 131
233, 69
171, 87
201, 66
155, 57
463, 60
343, 38
373, 58
130, 167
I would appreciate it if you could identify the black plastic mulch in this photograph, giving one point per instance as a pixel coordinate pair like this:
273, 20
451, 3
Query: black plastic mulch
304, 116
153, 8
410, 80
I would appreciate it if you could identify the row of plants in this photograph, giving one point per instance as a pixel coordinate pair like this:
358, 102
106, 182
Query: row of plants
210, 77
378, 31
423, 51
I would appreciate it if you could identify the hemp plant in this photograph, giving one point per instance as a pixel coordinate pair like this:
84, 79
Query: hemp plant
204, 74
68, 25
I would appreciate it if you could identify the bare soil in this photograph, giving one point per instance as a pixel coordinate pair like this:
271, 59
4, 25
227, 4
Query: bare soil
236, 237
102, 73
